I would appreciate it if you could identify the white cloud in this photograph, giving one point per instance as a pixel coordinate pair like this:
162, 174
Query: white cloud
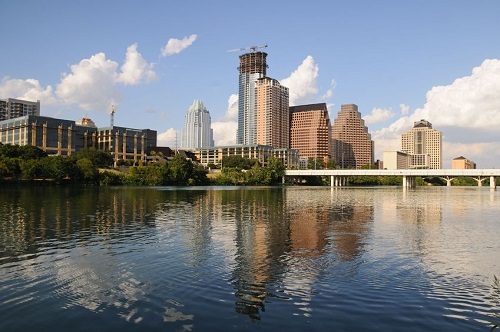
329, 93
225, 129
302, 82
135, 69
469, 104
471, 101
175, 46
378, 115
404, 109
90, 84
29, 89
168, 138
485, 154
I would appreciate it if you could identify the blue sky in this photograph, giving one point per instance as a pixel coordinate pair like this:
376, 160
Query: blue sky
399, 61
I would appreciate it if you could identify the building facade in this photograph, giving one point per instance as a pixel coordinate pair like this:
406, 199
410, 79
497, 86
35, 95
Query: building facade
262, 153
352, 146
310, 131
197, 132
272, 113
424, 145
64, 137
126, 143
54, 136
462, 163
253, 66
396, 160
13, 108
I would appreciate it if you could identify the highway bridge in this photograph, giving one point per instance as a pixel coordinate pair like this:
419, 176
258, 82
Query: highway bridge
339, 177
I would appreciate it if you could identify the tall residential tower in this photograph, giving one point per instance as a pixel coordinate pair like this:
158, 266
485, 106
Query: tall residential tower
197, 131
272, 113
352, 143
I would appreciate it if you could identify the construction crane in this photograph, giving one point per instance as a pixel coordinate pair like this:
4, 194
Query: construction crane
249, 48
112, 115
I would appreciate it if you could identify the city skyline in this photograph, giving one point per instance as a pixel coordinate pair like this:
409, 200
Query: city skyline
398, 62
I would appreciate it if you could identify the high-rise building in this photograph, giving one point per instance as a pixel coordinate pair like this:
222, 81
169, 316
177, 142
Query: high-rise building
272, 113
13, 108
197, 131
352, 145
310, 131
423, 144
252, 67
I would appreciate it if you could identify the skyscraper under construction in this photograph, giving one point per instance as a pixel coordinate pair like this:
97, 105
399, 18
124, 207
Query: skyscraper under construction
252, 67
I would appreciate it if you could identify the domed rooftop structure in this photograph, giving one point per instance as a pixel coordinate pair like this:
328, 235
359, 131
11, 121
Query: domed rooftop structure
86, 122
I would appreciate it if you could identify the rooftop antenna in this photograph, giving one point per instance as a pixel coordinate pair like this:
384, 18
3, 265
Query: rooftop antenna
176, 151
112, 115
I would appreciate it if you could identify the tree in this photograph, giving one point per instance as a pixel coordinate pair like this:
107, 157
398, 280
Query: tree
31, 169
276, 168
179, 170
238, 162
315, 163
98, 158
24, 152
87, 169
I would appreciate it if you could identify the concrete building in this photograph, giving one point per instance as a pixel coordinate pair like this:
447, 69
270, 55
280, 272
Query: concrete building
352, 146
197, 132
262, 153
424, 145
13, 108
126, 143
54, 136
252, 67
64, 137
310, 131
396, 160
462, 163
272, 113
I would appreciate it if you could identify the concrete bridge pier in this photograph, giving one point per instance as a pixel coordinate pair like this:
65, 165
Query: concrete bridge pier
448, 180
479, 181
409, 182
338, 181
493, 183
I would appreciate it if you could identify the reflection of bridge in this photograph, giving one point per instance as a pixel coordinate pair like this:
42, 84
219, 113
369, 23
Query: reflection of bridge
338, 177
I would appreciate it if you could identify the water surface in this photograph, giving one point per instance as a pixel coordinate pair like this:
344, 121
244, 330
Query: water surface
249, 258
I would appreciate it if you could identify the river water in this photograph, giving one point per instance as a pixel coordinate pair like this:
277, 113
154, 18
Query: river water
249, 259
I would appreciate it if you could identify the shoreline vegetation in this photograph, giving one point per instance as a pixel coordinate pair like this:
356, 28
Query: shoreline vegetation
29, 164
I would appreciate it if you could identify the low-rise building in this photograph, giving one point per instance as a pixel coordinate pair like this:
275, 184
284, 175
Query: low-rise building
462, 163
262, 153
396, 160
64, 137
54, 136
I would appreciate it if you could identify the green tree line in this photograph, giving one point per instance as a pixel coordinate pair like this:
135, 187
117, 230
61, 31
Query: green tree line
93, 166
237, 170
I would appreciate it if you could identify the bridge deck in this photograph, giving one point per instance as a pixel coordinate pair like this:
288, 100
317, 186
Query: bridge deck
395, 172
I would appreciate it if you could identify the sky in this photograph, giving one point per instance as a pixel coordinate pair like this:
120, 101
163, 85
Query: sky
399, 61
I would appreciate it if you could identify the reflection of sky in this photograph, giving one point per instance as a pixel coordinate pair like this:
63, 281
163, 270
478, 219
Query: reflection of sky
449, 229
208, 247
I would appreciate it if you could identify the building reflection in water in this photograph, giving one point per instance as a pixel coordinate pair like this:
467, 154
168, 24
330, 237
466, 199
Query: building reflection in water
285, 240
267, 243
351, 219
